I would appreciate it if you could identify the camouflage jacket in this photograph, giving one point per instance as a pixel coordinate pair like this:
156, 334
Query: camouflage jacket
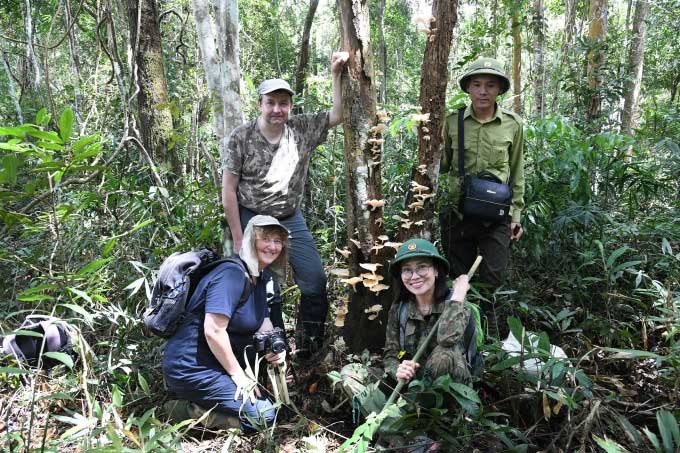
445, 355
272, 176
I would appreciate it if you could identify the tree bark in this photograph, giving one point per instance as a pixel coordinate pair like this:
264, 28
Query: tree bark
12, 89
362, 177
635, 67
382, 51
303, 58
539, 68
218, 41
596, 36
433, 81
75, 62
517, 57
155, 120
30, 50
219, 44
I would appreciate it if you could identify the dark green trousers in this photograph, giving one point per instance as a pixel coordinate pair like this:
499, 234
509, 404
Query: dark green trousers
463, 240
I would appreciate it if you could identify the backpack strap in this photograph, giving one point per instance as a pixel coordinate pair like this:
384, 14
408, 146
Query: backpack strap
203, 282
402, 323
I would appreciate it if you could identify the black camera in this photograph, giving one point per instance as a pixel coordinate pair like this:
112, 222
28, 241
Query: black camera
270, 341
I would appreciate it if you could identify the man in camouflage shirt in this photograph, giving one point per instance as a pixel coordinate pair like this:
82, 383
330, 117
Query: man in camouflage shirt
264, 170
493, 143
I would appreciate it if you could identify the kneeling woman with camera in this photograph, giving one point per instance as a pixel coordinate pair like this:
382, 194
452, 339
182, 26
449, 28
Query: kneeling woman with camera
204, 361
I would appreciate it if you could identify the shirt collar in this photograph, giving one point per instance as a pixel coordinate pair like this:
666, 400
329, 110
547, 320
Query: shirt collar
496, 114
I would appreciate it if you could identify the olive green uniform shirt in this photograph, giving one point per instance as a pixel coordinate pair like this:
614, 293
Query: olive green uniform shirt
495, 146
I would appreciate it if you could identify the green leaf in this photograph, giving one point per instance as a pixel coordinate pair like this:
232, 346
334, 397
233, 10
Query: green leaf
141, 225
92, 267
14, 131
27, 333
66, 125
61, 357
81, 294
652, 438
50, 145
42, 117
10, 165
34, 297
82, 142
615, 254
81, 311
467, 392
668, 428
90, 151
626, 265
143, 383
51, 136
116, 396
517, 331
631, 353
13, 370
56, 396
108, 247
608, 445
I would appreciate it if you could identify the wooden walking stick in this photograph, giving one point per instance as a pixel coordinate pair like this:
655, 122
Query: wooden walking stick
423, 347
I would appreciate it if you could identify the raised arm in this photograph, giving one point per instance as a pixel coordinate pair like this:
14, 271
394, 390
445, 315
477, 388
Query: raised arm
338, 60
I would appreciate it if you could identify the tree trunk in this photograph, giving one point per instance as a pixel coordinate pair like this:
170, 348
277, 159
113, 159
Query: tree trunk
382, 50
30, 50
517, 57
155, 119
634, 80
596, 36
75, 62
12, 89
433, 81
303, 60
219, 44
539, 69
362, 179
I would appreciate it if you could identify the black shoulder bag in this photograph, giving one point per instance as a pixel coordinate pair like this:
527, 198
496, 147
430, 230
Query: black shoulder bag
483, 196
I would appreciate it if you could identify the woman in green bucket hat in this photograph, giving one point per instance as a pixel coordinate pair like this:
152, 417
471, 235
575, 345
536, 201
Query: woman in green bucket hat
419, 276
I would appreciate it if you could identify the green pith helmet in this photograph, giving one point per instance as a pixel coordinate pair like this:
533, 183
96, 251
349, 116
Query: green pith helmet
484, 65
416, 248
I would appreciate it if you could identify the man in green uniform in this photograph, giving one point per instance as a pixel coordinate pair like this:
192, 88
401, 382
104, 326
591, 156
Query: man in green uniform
493, 143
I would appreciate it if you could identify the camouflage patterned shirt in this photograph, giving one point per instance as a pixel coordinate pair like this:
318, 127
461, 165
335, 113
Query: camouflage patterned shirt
445, 355
272, 176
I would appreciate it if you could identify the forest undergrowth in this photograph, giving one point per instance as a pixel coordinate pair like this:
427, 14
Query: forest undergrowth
84, 230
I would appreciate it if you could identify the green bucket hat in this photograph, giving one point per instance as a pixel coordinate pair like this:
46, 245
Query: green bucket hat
488, 66
416, 248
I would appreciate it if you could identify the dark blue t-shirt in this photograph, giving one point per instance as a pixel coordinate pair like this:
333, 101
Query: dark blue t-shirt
187, 357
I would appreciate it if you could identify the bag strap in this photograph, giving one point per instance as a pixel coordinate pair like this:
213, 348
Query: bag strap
203, 282
402, 323
461, 143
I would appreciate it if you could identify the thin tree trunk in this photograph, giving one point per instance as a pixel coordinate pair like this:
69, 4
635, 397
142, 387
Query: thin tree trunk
362, 177
75, 62
30, 51
596, 36
539, 69
382, 51
433, 81
218, 41
12, 88
303, 59
517, 57
155, 120
635, 66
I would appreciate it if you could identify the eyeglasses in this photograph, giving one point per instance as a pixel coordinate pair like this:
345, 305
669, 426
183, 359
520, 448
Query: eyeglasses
422, 270
272, 241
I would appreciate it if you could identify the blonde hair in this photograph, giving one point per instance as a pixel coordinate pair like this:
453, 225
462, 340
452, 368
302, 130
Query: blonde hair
262, 232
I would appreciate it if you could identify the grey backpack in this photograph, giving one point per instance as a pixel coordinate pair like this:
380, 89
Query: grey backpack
25, 346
